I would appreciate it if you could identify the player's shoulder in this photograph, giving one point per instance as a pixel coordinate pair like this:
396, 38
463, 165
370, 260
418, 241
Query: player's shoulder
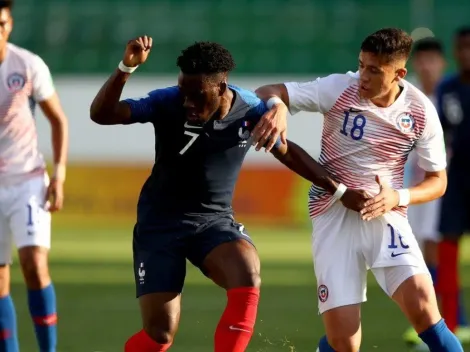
21, 54
247, 96
339, 82
168, 96
417, 97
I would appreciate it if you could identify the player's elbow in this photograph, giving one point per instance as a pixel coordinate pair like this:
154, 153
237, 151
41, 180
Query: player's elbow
440, 183
98, 116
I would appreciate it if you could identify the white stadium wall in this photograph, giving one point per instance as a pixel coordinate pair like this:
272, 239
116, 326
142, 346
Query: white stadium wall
134, 144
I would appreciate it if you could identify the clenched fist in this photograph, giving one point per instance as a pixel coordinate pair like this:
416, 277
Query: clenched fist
137, 51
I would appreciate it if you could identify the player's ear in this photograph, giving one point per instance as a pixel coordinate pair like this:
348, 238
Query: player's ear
223, 86
401, 73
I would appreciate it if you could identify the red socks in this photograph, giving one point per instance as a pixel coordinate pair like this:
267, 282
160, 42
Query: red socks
233, 332
141, 342
238, 320
448, 282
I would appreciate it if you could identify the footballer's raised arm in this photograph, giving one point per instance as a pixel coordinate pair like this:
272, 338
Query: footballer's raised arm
106, 108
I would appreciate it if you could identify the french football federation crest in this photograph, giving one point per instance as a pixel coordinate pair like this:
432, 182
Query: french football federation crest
405, 123
15, 82
243, 131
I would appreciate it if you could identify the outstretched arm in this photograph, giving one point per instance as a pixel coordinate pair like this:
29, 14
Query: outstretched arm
106, 108
299, 161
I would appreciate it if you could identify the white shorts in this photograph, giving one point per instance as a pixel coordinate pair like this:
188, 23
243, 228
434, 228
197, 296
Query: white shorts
23, 218
345, 247
424, 220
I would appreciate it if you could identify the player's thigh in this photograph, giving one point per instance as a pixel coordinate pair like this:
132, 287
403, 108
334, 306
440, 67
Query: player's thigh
159, 254
339, 264
30, 221
411, 287
224, 252
453, 219
5, 241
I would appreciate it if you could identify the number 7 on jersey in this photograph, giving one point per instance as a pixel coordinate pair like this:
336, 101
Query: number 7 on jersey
191, 141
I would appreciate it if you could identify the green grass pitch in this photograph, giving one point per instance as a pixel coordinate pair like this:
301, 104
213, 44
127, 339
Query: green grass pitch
91, 268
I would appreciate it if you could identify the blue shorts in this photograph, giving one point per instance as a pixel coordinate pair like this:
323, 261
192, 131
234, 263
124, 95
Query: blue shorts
455, 208
160, 251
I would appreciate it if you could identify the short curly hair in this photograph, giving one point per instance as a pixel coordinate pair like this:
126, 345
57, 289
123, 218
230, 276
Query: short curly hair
391, 43
6, 4
205, 58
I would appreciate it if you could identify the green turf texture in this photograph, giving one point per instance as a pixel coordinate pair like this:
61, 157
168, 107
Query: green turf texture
92, 271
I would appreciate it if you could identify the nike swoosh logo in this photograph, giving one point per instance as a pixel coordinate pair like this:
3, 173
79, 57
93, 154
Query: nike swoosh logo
354, 110
231, 327
397, 254
187, 125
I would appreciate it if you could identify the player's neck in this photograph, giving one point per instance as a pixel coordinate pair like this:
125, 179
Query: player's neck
387, 99
3, 53
225, 105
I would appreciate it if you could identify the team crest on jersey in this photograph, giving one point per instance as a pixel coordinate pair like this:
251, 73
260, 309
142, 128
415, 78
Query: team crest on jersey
243, 131
406, 123
322, 293
15, 82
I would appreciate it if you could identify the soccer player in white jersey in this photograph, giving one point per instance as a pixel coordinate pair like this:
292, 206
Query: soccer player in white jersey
27, 196
372, 120
428, 63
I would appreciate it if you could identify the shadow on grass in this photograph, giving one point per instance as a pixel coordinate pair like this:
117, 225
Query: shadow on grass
99, 316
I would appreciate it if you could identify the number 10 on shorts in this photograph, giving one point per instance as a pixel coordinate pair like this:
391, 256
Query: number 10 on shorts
393, 239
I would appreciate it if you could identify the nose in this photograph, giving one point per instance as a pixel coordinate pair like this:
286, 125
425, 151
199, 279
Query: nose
188, 104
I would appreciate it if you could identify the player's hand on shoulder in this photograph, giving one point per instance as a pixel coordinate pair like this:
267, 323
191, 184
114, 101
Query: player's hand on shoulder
387, 199
271, 126
137, 51
355, 199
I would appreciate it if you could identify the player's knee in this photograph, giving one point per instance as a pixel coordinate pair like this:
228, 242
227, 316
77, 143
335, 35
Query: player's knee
34, 265
345, 344
160, 335
4, 280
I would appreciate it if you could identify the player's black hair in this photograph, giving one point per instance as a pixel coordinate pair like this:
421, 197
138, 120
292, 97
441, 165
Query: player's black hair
462, 32
6, 4
392, 43
205, 58
428, 45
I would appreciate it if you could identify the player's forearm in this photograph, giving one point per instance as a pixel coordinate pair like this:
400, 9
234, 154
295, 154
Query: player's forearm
299, 161
273, 90
60, 144
105, 106
433, 187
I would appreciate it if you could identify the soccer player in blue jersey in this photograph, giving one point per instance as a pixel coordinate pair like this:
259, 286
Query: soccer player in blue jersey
203, 132
453, 99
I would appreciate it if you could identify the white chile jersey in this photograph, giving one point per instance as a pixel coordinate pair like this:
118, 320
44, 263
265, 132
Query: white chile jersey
24, 81
361, 140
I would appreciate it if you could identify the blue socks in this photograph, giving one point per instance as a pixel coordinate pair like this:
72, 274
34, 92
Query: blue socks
42, 306
440, 339
324, 346
8, 336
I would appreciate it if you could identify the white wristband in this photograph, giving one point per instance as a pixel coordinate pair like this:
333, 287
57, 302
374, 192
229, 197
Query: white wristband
340, 191
404, 197
126, 69
273, 101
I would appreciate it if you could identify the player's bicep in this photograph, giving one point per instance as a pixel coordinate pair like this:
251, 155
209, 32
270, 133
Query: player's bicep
42, 84
140, 110
430, 148
303, 96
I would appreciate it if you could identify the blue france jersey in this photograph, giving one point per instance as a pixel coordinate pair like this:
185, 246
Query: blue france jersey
196, 166
453, 101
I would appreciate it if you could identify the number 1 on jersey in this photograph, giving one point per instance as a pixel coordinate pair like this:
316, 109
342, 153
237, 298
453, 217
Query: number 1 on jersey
191, 141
